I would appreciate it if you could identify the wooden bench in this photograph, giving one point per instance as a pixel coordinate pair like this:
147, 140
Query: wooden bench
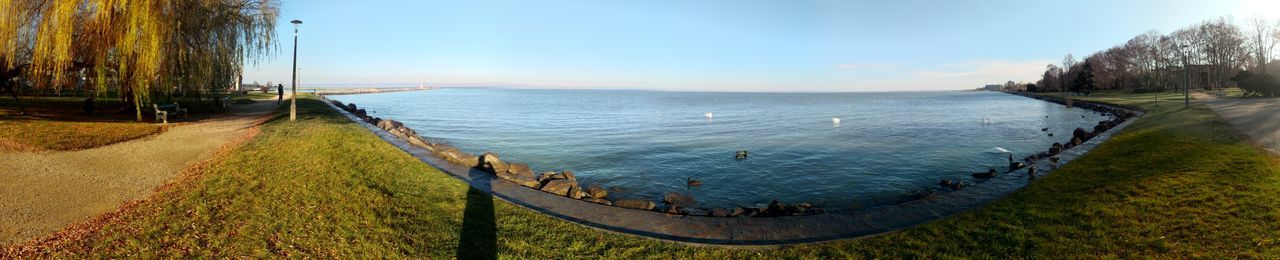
163, 111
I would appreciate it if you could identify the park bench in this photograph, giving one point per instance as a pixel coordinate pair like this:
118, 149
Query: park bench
162, 111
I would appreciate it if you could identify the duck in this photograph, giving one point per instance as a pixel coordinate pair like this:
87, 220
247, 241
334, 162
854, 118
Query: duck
692, 182
709, 115
835, 120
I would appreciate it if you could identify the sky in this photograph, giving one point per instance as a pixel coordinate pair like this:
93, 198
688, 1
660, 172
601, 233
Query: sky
711, 45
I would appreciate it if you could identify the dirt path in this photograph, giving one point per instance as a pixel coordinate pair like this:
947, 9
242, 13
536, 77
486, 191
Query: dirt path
1257, 117
42, 192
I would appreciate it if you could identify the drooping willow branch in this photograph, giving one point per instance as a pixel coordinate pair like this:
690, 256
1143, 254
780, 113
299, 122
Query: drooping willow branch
142, 46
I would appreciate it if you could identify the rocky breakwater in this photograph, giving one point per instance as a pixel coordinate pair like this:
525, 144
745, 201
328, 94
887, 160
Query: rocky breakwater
565, 183
1080, 135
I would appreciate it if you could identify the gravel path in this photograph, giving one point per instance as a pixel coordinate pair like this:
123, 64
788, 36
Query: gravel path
43, 192
1257, 117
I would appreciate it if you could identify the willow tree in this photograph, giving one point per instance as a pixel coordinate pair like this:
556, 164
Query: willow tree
140, 47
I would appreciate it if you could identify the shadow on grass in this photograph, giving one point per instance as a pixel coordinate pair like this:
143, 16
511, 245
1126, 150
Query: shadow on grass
479, 227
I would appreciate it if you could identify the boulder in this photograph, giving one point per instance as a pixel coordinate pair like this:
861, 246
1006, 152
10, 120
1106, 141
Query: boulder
361, 112
1076, 141
351, 107
738, 211
678, 200
560, 187
417, 140
988, 174
1080, 133
959, 185
635, 204
945, 183
548, 176
776, 208
490, 162
519, 168
598, 201
1055, 148
694, 211
524, 178
595, 191
575, 192
672, 209
568, 175
1014, 166
718, 213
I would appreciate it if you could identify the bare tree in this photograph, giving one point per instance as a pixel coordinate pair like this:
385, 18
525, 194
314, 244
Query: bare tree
1262, 40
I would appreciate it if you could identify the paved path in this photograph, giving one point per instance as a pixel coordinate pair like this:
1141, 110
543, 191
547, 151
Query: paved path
43, 192
1257, 117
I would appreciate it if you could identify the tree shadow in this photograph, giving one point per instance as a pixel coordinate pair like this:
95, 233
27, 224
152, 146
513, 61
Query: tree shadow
479, 227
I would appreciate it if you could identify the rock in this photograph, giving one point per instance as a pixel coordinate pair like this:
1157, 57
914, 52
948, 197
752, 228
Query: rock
818, 211
519, 168
1055, 148
417, 140
595, 191
923, 194
548, 176
672, 209
360, 112
694, 211
524, 178
988, 174
718, 213
635, 204
693, 183
491, 163
575, 192
1031, 171
1076, 141
945, 183
678, 200
568, 175
598, 201
559, 187
804, 205
1014, 166
796, 210
1080, 133
776, 208
738, 211
351, 107
959, 185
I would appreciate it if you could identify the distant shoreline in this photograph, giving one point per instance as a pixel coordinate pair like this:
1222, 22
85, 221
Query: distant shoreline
367, 90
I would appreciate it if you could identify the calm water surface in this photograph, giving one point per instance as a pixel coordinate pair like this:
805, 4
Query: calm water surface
644, 144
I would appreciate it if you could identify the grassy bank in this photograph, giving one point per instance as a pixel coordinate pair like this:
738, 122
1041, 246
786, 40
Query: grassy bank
59, 123
1179, 182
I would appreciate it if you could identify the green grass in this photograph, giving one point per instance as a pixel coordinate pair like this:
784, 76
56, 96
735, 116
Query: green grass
1177, 183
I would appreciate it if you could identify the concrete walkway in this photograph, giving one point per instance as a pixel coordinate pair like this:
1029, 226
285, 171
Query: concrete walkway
43, 192
1257, 117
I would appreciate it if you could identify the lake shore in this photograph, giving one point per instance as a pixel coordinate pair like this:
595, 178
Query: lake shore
707, 229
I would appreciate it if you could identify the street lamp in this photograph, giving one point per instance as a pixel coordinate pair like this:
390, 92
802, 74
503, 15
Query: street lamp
1186, 76
293, 100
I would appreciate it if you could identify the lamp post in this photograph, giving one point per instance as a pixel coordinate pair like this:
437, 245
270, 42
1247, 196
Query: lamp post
293, 100
1186, 76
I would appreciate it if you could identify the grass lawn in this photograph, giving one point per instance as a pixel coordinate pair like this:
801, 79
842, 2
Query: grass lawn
1179, 182
58, 123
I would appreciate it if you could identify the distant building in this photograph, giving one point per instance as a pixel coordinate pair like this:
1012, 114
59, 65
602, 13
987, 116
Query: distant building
992, 87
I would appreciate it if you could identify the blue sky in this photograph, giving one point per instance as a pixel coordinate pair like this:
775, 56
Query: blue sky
731, 45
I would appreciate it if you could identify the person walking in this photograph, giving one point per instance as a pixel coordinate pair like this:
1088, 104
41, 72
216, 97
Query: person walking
280, 90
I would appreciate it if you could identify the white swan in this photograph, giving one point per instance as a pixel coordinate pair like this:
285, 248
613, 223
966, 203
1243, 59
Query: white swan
709, 115
835, 120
